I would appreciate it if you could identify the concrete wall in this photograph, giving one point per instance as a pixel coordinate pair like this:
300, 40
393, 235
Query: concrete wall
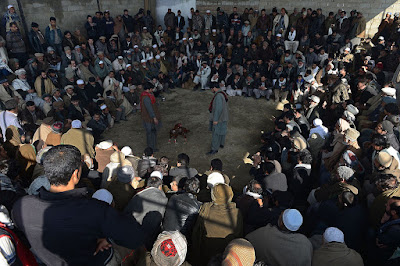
71, 14
373, 10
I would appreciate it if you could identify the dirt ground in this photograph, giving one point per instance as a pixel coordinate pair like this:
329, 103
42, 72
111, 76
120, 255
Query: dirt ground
248, 117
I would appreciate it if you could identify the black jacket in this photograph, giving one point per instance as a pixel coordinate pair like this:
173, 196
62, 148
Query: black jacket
63, 228
181, 213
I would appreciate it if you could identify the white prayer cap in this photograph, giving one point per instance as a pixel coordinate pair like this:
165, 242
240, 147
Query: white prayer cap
126, 150
215, 178
103, 195
389, 91
292, 219
143, 61
333, 234
214, 30
120, 57
106, 144
347, 49
317, 122
101, 62
20, 71
10, 6
135, 46
208, 11
80, 82
103, 106
158, 57
184, 39
381, 38
352, 109
128, 65
157, 174
279, 35
315, 99
76, 124
154, 46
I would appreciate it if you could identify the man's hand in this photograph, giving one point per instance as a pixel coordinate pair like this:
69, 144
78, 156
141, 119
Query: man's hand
215, 123
102, 244
155, 121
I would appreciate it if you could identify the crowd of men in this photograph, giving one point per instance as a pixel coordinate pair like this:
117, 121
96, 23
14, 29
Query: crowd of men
324, 186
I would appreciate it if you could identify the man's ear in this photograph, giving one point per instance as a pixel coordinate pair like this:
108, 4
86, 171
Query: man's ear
75, 176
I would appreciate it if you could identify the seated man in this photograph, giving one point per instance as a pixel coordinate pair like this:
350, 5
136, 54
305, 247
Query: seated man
271, 242
182, 168
30, 116
66, 227
98, 125
262, 88
115, 106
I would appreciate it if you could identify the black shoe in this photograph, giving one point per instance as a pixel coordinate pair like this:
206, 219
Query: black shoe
221, 146
196, 87
211, 152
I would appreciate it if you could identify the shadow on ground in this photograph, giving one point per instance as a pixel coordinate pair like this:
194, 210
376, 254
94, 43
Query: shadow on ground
247, 118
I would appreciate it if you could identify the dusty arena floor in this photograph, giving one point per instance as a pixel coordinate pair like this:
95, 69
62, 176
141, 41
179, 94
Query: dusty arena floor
247, 118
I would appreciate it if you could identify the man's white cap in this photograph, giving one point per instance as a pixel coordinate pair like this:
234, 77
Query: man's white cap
103, 106
145, 28
208, 11
190, 38
381, 38
214, 179
154, 46
158, 57
151, 58
184, 39
333, 234
143, 61
214, 30
20, 71
347, 49
126, 150
162, 53
10, 6
292, 219
128, 65
368, 57
80, 82
103, 195
101, 62
352, 109
120, 57
105, 144
389, 91
157, 174
279, 35
76, 124
317, 122
315, 99
135, 46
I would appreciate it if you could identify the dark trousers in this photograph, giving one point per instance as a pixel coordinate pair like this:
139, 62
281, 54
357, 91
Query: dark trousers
151, 135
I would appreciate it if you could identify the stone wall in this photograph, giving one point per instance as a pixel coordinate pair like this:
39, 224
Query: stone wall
71, 14
373, 10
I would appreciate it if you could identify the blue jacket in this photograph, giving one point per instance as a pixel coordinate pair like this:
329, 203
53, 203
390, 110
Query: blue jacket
50, 35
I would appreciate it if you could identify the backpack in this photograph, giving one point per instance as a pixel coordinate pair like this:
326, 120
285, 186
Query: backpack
24, 255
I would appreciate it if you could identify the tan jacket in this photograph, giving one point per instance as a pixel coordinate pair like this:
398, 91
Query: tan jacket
48, 85
80, 138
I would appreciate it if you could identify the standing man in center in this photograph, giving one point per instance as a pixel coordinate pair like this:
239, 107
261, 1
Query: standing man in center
219, 116
150, 115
